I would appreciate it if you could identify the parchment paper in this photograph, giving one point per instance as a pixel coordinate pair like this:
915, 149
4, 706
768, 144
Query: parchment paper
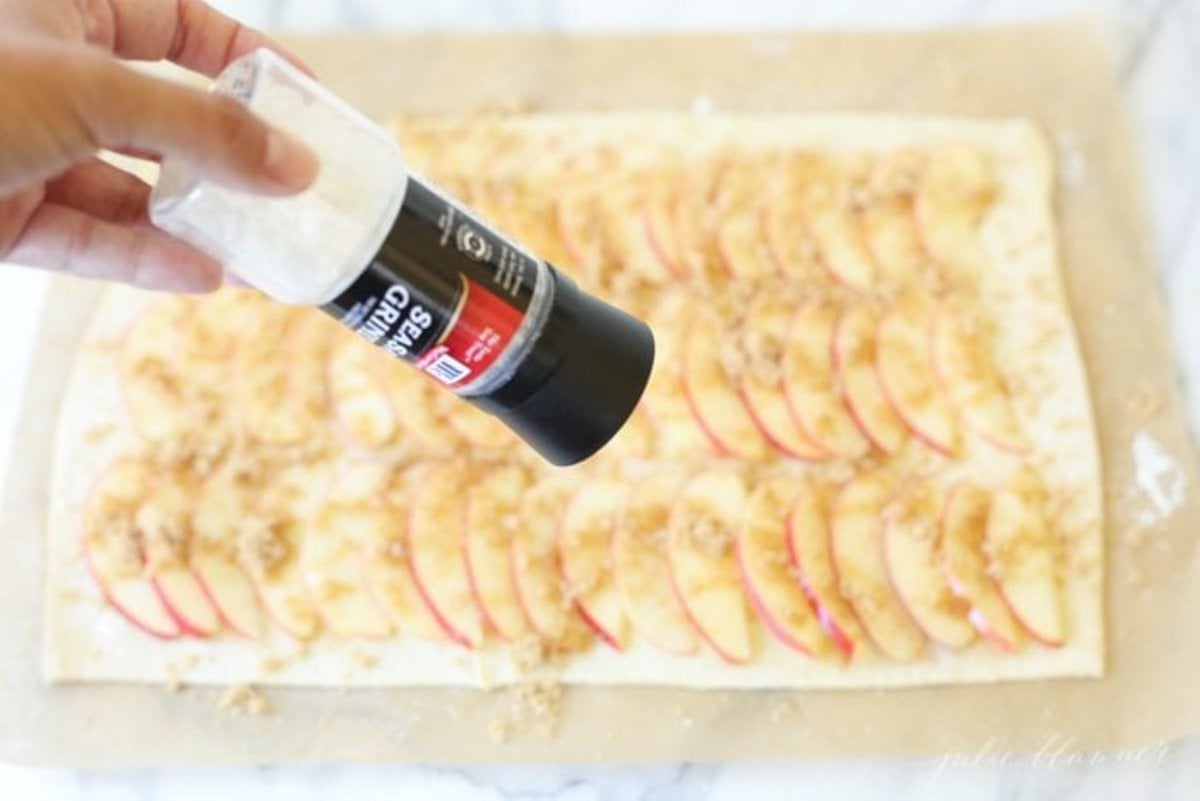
1060, 75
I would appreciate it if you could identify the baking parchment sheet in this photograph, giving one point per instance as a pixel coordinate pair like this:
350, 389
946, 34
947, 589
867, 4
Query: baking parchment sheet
1060, 75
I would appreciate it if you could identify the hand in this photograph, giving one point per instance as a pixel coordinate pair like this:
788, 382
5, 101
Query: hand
65, 96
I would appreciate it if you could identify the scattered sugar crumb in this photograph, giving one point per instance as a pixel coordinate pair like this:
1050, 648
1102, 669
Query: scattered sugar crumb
176, 670
536, 707
1160, 482
364, 659
244, 699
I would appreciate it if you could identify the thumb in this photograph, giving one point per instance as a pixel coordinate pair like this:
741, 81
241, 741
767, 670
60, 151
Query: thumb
214, 135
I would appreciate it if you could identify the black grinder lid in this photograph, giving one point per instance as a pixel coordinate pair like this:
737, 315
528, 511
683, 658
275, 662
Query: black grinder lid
581, 379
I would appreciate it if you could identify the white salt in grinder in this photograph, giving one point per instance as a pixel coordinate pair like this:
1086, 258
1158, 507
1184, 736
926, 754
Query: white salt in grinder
414, 271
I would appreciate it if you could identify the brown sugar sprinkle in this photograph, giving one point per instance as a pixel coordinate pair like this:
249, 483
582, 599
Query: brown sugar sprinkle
98, 434
242, 699
122, 542
708, 533
260, 547
364, 659
167, 533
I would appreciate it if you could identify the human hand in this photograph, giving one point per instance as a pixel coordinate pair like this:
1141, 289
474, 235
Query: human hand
65, 95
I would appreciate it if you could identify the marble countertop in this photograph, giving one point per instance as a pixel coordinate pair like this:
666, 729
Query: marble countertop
1159, 57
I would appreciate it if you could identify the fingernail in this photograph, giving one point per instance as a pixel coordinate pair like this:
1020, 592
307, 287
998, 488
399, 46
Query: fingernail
290, 165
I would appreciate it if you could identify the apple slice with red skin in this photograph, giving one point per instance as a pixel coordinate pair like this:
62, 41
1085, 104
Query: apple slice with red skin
585, 536
625, 225
493, 506
1021, 548
964, 530
967, 374
955, 191
808, 530
331, 557
811, 385
743, 252
387, 569
783, 227
831, 215
421, 408
536, 568
217, 519
911, 546
113, 549
641, 570
360, 398
694, 214
164, 522
887, 217
657, 204
312, 341
858, 555
904, 359
854, 360
208, 349
150, 367
436, 533
712, 393
766, 567
764, 332
676, 429
270, 540
262, 380
708, 513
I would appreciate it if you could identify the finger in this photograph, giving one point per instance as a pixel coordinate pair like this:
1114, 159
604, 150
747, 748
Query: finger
214, 135
188, 32
101, 190
69, 241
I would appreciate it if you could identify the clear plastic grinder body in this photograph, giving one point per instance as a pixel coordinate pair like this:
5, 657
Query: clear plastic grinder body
414, 271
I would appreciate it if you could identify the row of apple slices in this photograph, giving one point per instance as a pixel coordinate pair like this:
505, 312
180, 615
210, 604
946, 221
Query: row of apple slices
741, 216
671, 558
825, 380
281, 375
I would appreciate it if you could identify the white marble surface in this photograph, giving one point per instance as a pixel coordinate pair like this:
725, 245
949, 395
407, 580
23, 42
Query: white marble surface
1159, 54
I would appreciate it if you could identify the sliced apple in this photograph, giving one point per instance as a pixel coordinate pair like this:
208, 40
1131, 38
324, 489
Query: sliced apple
331, 557
763, 334
695, 217
677, 430
217, 520
708, 514
387, 567
956, 190
1020, 546
967, 374
656, 208
436, 532
811, 385
480, 429
313, 339
151, 370
831, 215
766, 567
164, 522
492, 521
964, 529
625, 226
904, 359
578, 218
262, 379
911, 546
887, 219
208, 349
113, 548
421, 409
858, 556
809, 546
854, 354
641, 569
585, 537
781, 220
739, 241
360, 397
536, 568
712, 392
269, 542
